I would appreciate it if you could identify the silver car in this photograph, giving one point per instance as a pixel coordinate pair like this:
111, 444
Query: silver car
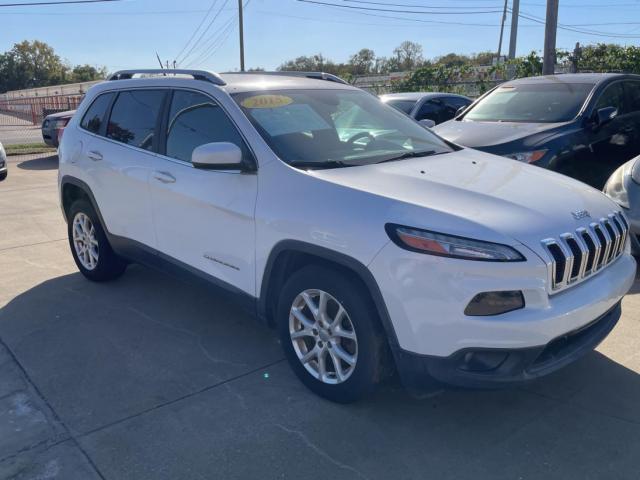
624, 188
3, 163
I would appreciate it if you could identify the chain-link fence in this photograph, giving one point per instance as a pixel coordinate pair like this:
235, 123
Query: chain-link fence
31, 111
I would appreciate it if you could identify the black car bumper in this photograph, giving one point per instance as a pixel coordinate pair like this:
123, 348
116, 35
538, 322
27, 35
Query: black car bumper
50, 136
491, 368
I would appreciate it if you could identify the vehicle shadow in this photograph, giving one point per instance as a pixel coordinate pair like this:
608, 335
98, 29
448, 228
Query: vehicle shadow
41, 163
103, 353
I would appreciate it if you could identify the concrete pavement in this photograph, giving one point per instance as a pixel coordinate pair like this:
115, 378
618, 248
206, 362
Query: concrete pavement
149, 378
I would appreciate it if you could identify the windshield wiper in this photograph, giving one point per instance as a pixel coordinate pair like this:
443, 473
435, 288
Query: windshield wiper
320, 165
414, 154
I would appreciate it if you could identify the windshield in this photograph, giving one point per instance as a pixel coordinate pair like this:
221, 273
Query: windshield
403, 105
334, 128
534, 103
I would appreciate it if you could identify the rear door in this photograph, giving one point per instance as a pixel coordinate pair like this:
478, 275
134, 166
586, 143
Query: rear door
203, 218
119, 158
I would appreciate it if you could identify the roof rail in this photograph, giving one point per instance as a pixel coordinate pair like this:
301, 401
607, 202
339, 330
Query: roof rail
203, 75
315, 75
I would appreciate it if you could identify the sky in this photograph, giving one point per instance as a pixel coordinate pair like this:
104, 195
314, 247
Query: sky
128, 33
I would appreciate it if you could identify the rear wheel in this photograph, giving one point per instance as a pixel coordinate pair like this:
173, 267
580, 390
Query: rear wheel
90, 248
329, 334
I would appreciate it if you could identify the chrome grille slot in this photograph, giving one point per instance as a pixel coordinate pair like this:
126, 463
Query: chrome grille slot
574, 256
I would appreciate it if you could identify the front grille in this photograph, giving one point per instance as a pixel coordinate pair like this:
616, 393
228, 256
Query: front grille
578, 255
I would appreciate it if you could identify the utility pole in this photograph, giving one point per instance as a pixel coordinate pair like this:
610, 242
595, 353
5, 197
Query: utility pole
240, 19
504, 19
551, 27
515, 14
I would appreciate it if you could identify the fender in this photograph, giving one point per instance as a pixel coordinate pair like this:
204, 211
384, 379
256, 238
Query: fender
322, 253
70, 180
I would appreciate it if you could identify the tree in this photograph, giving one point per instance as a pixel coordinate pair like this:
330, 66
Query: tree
35, 64
87, 73
408, 55
452, 60
29, 65
362, 62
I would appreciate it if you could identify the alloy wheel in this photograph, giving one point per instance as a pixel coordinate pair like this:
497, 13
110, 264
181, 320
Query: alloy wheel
85, 242
323, 336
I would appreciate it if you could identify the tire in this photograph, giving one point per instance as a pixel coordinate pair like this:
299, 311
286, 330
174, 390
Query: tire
3, 176
99, 263
339, 290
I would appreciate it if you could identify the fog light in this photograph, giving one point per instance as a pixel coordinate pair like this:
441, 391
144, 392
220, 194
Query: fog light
483, 361
494, 303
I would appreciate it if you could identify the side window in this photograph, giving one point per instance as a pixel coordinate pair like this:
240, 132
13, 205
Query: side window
134, 116
613, 96
96, 113
633, 92
429, 110
195, 119
457, 102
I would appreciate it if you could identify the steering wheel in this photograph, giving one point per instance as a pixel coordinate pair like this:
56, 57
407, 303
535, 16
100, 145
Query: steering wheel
358, 136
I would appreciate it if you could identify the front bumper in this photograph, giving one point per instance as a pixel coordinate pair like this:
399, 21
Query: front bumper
426, 298
489, 368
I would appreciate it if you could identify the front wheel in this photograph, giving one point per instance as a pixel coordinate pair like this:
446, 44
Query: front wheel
90, 248
329, 334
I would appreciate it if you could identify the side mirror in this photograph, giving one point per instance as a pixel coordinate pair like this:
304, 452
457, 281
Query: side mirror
604, 115
427, 123
217, 156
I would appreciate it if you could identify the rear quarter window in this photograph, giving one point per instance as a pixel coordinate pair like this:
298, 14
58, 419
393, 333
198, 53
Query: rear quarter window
96, 114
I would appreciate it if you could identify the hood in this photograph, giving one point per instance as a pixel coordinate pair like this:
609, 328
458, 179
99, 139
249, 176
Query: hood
486, 134
473, 194
68, 113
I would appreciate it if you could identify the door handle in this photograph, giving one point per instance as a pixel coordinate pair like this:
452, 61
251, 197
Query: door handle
94, 155
164, 177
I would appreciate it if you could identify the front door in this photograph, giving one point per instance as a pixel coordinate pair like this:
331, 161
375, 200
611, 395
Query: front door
203, 218
613, 143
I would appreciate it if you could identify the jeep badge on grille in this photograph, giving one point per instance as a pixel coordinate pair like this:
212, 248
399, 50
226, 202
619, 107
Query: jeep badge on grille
580, 214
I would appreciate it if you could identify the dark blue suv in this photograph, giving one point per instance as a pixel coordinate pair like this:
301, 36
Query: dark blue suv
582, 125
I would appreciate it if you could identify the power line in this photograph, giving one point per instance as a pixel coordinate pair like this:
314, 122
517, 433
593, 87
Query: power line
213, 4
148, 12
353, 7
204, 32
570, 28
411, 5
223, 35
66, 2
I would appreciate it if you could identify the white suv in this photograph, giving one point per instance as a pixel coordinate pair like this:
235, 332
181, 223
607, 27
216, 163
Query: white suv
366, 240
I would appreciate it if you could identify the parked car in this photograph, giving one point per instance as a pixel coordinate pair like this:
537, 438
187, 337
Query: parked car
624, 188
3, 163
345, 225
582, 125
438, 107
53, 125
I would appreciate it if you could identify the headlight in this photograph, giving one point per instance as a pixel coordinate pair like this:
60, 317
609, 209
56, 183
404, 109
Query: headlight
432, 243
527, 157
615, 188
